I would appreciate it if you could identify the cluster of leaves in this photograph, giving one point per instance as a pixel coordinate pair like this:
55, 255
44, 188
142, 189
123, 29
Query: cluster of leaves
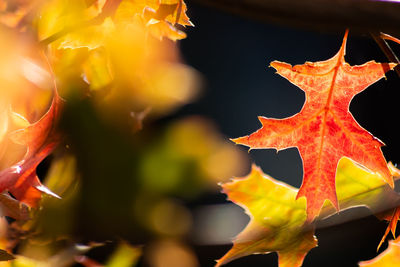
105, 65
343, 164
61, 25
77, 80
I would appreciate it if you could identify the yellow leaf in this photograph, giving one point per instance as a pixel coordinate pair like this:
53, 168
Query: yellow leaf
277, 220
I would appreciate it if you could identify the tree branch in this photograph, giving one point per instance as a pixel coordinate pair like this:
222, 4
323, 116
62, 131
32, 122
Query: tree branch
328, 15
387, 50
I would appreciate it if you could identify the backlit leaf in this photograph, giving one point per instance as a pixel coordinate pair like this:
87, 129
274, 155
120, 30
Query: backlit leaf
324, 130
40, 138
278, 221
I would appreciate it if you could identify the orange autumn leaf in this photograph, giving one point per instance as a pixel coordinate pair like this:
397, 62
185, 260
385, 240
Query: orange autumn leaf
162, 21
324, 130
40, 138
173, 11
392, 216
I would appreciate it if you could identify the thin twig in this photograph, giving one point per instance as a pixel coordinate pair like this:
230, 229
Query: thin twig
387, 50
389, 37
68, 30
108, 10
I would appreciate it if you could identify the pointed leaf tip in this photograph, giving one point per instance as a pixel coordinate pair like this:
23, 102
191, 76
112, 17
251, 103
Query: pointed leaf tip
46, 190
324, 131
279, 66
240, 140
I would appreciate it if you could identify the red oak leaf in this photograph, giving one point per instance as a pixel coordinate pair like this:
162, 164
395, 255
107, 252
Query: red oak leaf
40, 138
324, 130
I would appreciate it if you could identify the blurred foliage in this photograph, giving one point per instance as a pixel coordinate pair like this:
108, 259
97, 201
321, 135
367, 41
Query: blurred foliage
121, 174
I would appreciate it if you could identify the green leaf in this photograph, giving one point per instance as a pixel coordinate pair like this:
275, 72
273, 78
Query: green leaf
278, 220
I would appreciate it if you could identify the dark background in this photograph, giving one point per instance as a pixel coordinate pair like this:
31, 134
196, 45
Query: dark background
233, 53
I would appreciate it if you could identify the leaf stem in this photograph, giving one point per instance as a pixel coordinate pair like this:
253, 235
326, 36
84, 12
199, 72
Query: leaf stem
387, 50
109, 9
